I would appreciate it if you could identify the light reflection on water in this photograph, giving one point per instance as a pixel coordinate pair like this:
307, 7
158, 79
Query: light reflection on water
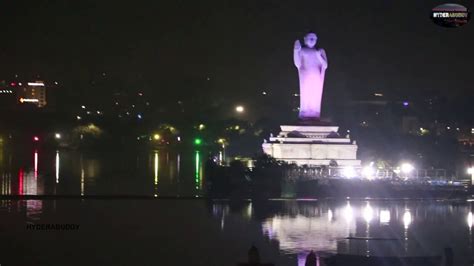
169, 173
389, 228
417, 227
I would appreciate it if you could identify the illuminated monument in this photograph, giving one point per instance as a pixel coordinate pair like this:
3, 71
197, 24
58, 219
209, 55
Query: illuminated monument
312, 64
311, 142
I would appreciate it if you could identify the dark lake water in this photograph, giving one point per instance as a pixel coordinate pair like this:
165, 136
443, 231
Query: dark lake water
160, 173
196, 231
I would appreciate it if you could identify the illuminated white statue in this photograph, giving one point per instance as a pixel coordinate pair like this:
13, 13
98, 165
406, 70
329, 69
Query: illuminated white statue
312, 64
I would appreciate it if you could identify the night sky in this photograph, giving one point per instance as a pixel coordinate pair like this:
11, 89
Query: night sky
236, 48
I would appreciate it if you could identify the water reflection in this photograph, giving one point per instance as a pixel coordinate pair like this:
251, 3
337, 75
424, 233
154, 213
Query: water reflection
6, 183
302, 233
198, 173
34, 209
361, 228
469, 224
220, 211
469, 220
81, 162
156, 172
384, 217
407, 219
36, 164
348, 213
76, 173
57, 167
368, 213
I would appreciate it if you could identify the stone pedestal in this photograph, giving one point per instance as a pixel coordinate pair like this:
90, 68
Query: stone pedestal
312, 145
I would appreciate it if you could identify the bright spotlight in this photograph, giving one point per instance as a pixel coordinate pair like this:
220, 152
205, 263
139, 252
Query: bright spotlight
239, 109
57, 136
470, 170
407, 168
156, 136
368, 172
349, 172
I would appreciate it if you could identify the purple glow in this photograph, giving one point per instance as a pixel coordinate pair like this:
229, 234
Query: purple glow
312, 65
405, 103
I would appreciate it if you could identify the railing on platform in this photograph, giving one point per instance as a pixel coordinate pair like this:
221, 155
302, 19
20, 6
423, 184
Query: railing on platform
324, 172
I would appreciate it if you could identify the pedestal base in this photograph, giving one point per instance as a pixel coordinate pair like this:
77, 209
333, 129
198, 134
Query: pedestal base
312, 145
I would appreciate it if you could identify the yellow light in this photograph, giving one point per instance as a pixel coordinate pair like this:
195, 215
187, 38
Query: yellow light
156, 136
239, 109
57, 136
36, 84
201, 126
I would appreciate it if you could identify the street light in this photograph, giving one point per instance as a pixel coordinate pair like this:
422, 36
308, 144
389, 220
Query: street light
57, 136
156, 136
239, 109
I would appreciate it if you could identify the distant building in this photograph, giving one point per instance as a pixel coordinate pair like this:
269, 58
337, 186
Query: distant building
31, 93
7, 96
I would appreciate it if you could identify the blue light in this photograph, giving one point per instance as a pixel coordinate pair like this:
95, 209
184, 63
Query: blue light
405, 103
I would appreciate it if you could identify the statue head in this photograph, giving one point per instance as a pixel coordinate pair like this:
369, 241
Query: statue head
310, 40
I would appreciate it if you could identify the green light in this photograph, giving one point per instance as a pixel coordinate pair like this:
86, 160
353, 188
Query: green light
197, 141
196, 171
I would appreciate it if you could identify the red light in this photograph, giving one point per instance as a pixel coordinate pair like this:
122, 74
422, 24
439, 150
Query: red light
20, 181
35, 138
13, 84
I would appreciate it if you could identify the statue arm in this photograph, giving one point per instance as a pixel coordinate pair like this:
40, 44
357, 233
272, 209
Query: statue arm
296, 54
325, 59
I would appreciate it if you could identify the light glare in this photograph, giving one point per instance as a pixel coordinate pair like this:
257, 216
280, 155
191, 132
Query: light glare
407, 168
349, 172
368, 213
384, 216
407, 219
